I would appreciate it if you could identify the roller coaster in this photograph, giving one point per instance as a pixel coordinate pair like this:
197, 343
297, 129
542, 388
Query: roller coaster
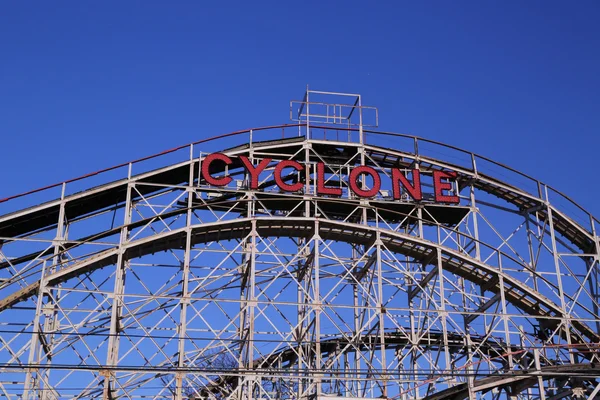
274, 263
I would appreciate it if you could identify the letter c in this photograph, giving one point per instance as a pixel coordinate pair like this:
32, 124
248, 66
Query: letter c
206, 169
279, 179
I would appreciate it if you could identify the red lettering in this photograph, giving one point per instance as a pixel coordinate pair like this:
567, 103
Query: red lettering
413, 190
439, 187
355, 174
279, 180
442, 183
206, 169
255, 171
321, 188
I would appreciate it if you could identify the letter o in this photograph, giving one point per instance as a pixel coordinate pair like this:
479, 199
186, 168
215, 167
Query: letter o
355, 174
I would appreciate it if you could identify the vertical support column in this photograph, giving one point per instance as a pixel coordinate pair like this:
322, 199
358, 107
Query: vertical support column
249, 195
414, 325
505, 316
50, 324
593, 282
305, 306
34, 379
308, 356
301, 311
381, 312
474, 211
470, 377
419, 206
117, 295
185, 298
360, 122
538, 368
307, 113
243, 316
246, 384
532, 262
364, 221
307, 179
524, 362
563, 306
31, 378
317, 308
468, 342
355, 378
251, 306
442, 310
413, 348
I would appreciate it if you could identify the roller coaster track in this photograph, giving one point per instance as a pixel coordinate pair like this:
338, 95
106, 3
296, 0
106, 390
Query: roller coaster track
489, 278
287, 357
475, 271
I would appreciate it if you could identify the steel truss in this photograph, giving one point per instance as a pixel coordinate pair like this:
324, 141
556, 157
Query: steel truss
160, 286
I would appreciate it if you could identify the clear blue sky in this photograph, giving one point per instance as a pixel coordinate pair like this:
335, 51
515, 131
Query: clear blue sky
85, 85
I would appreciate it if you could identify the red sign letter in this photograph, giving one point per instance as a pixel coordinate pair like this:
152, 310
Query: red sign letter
321, 188
255, 172
279, 180
356, 172
206, 169
413, 190
439, 187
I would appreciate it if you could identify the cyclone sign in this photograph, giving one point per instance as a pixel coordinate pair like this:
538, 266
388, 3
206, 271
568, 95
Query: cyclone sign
443, 181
